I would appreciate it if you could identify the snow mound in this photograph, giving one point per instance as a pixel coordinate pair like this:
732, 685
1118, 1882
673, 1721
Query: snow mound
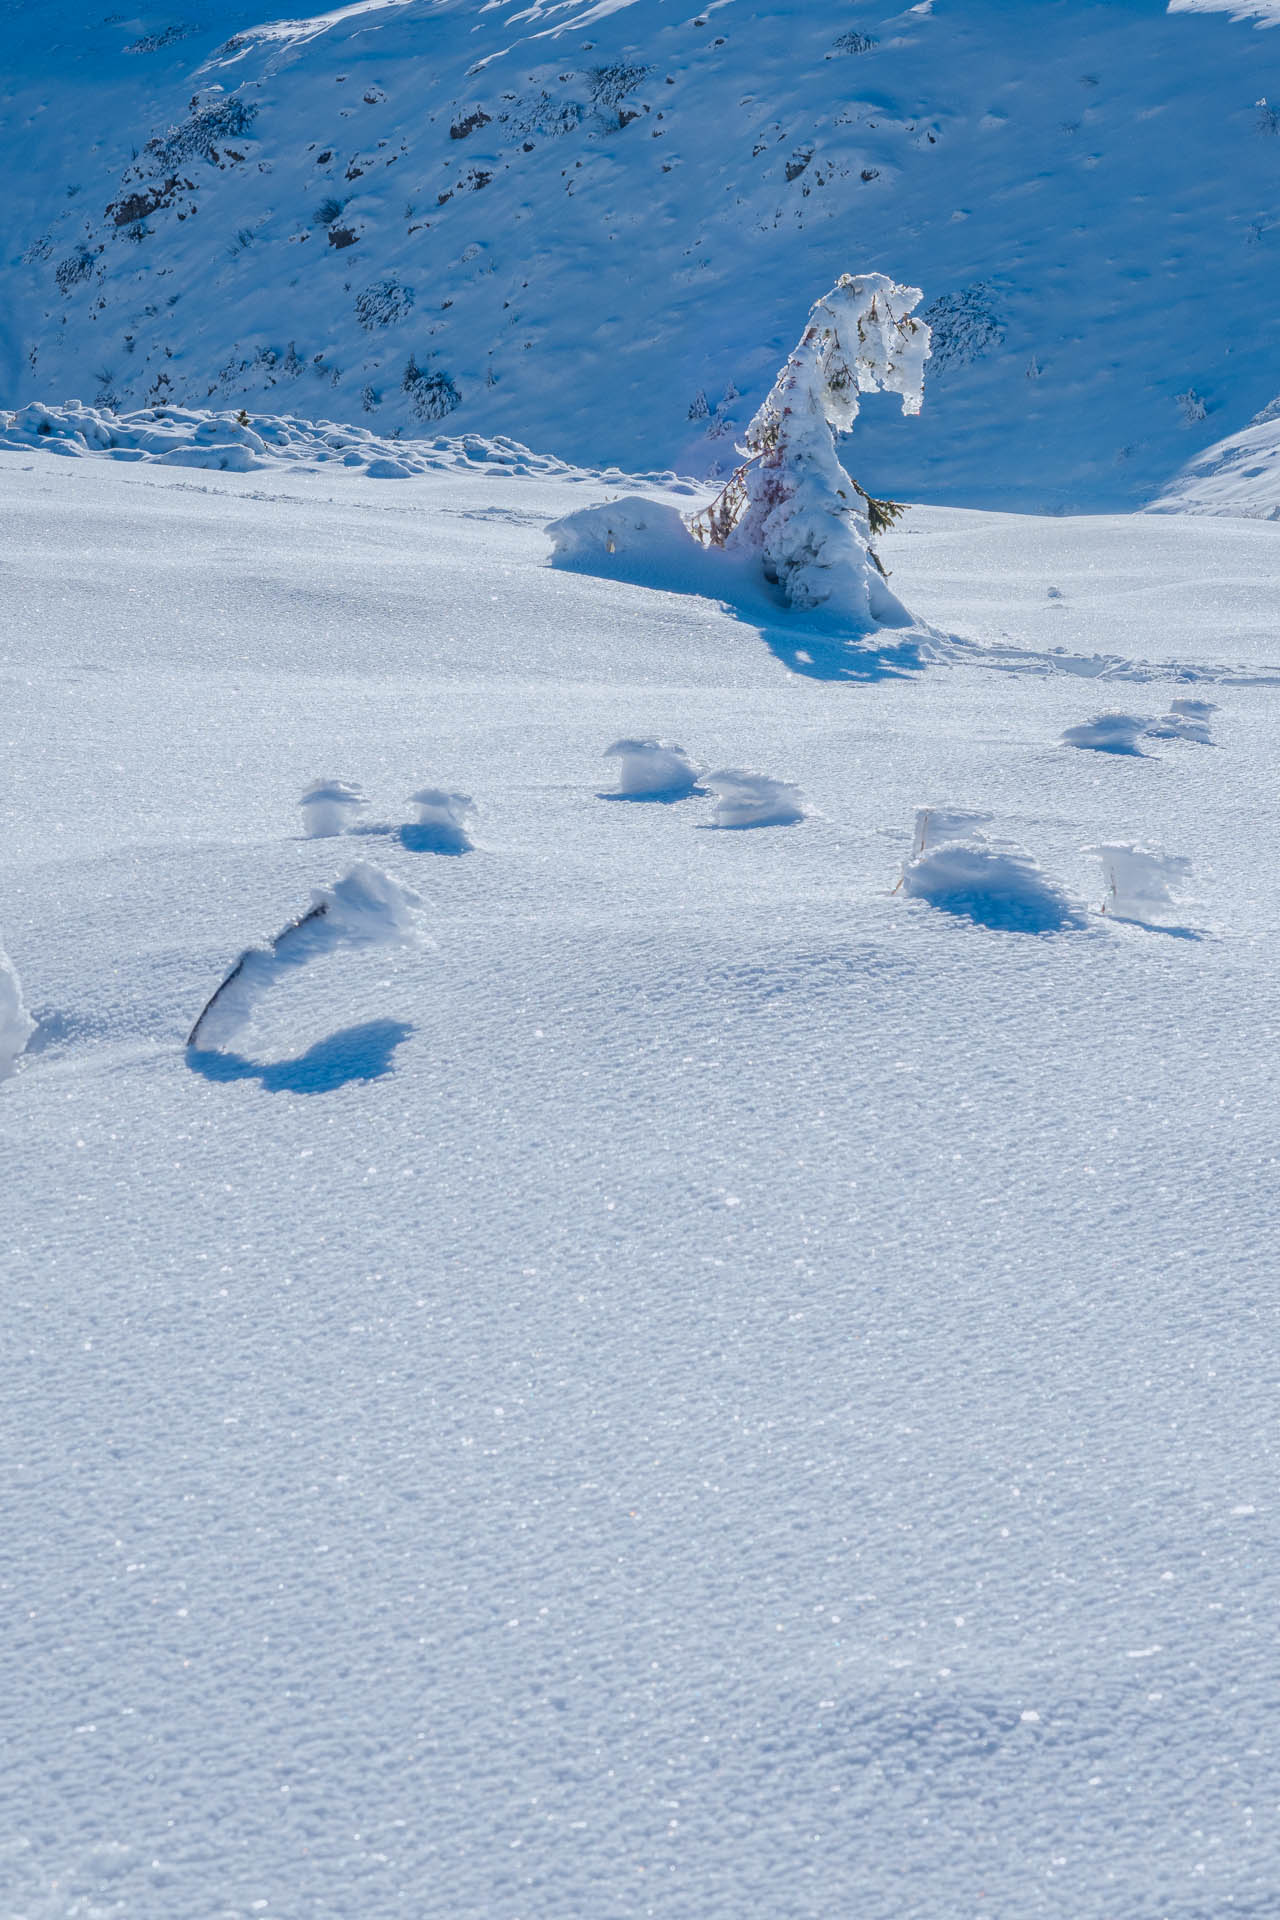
243, 443
364, 907
991, 882
1143, 883
746, 799
444, 822
327, 807
16, 1024
651, 768
1185, 720
1108, 733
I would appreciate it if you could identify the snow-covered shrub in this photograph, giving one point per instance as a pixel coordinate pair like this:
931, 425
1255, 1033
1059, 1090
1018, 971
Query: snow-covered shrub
328, 806
791, 501
965, 327
431, 395
444, 822
16, 1024
746, 799
647, 767
1108, 733
954, 866
202, 134
364, 907
1142, 883
383, 304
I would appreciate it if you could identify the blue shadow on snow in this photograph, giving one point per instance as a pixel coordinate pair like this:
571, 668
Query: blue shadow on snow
353, 1053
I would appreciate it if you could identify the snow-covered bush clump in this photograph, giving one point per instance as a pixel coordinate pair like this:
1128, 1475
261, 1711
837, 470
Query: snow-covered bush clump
1108, 733
648, 767
444, 822
753, 799
328, 807
1142, 883
791, 502
364, 907
16, 1024
1185, 720
993, 882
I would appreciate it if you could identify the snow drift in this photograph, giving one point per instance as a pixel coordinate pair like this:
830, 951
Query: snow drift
364, 907
994, 883
745, 799
444, 823
1144, 883
328, 806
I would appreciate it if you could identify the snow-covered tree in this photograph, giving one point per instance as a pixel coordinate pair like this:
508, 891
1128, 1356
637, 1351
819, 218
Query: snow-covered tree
791, 500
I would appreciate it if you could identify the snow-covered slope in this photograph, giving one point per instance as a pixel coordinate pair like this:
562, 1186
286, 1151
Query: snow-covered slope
724, 1385
596, 228
1239, 475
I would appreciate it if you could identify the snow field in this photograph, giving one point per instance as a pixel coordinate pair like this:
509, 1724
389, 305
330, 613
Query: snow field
709, 1331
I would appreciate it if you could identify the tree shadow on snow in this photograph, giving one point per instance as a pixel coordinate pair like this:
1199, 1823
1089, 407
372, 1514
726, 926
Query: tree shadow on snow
817, 645
353, 1053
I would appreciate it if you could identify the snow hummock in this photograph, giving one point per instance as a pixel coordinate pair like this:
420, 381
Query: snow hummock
1108, 733
1236, 478
328, 807
1143, 883
444, 822
16, 1024
173, 436
745, 799
363, 907
651, 768
992, 882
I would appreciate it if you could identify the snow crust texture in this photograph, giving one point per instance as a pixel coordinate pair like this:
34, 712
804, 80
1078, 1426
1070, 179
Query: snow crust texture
716, 1367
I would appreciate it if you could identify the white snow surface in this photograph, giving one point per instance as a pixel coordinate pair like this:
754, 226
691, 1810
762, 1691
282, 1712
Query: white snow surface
746, 799
1144, 883
593, 228
719, 1389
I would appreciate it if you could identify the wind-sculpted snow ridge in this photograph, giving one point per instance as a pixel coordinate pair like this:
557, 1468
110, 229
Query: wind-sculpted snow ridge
16, 1024
1266, 13
244, 443
745, 799
651, 770
365, 907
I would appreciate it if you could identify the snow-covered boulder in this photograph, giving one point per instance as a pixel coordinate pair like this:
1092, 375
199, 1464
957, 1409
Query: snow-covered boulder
1144, 883
16, 1024
328, 808
651, 767
363, 907
745, 799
